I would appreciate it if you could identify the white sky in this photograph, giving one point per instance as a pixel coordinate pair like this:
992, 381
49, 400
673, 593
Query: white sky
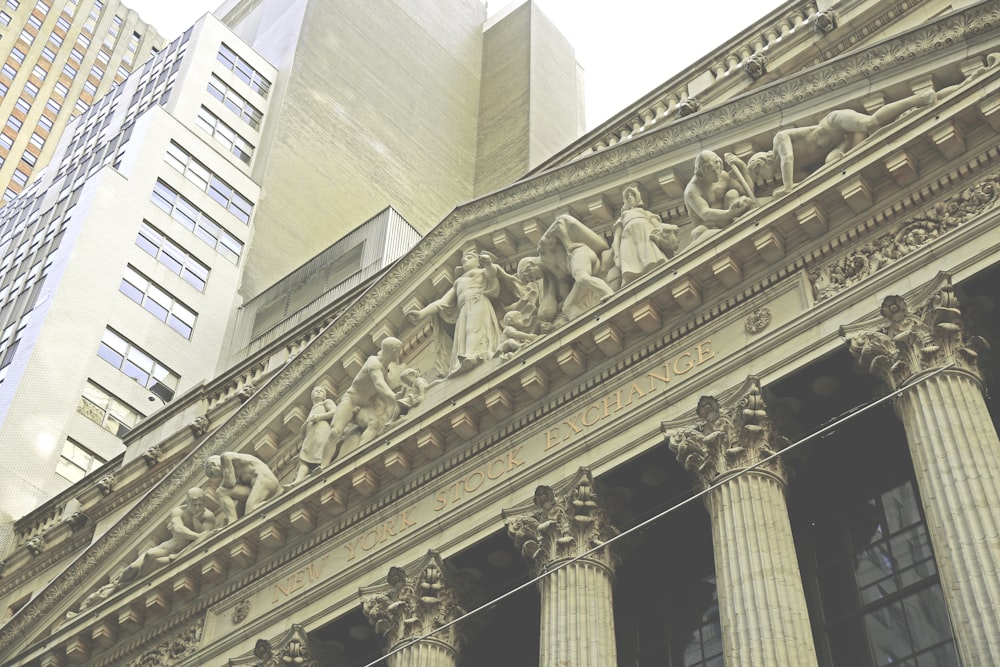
626, 47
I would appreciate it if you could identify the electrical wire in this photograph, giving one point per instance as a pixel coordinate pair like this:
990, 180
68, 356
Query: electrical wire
826, 429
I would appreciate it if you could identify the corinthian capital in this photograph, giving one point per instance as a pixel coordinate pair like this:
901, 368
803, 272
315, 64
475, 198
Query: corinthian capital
726, 434
414, 602
560, 523
905, 340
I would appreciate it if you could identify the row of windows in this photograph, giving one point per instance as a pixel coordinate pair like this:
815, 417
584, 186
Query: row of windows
244, 71
110, 413
197, 173
235, 102
194, 219
225, 135
138, 365
171, 255
158, 301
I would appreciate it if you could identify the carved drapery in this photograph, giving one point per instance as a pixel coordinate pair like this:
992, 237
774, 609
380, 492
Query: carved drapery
954, 448
762, 605
411, 610
553, 533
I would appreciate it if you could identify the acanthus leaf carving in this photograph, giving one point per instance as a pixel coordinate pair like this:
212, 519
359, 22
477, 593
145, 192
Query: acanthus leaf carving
562, 523
727, 435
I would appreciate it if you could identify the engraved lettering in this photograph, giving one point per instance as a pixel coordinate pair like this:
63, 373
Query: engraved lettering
632, 392
690, 364
512, 461
364, 540
665, 378
492, 467
705, 354
442, 500
473, 488
586, 413
618, 403
576, 429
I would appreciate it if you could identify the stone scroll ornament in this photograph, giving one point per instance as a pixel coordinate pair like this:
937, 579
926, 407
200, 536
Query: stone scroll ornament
727, 435
562, 523
294, 648
915, 340
415, 603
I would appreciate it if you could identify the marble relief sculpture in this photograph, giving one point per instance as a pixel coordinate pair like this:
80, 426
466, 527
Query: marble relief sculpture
715, 196
803, 150
570, 253
245, 481
187, 524
469, 305
641, 241
316, 433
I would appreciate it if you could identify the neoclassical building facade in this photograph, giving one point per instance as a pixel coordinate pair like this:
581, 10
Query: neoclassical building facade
711, 387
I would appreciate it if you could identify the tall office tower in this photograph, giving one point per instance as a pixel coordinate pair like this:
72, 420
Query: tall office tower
59, 56
121, 262
420, 106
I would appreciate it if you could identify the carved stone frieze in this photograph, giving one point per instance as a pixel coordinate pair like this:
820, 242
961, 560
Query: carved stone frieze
891, 55
757, 321
915, 232
172, 650
293, 649
561, 523
730, 434
241, 611
415, 602
911, 340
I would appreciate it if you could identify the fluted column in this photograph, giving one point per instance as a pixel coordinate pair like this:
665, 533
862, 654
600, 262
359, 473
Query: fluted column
409, 610
954, 447
762, 606
553, 533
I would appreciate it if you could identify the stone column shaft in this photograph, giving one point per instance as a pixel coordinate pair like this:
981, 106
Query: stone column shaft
956, 458
557, 528
577, 621
762, 606
425, 653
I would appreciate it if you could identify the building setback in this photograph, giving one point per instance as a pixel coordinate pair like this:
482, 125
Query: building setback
59, 57
712, 393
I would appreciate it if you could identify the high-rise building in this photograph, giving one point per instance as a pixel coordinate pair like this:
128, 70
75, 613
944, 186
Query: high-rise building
123, 261
59, 57
709, 388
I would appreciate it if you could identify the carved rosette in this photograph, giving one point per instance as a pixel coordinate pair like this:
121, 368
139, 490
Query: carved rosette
910, 341
292, 649
415, 603
561, 524
728, 435
757, 321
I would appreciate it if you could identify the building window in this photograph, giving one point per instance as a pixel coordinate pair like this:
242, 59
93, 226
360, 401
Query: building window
45, 123
138, 365
17, 54
217, 189
13, 4
8, 71
195, 220
76, 461
19, 177
157, 301
36, 140
39, 72
247, 112
22, 105
225, 135
4, 18
108, 412
53, 106
244, 71
34, 22
63, 23
6, 141
48, 53
172, 256
14, 123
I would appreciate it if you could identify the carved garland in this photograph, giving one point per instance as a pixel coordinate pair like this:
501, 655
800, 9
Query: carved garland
765, 102
908, 236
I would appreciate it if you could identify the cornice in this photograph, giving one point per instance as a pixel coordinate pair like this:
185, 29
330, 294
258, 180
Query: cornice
852, 68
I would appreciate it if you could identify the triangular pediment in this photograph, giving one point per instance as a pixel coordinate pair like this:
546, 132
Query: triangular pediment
901, 175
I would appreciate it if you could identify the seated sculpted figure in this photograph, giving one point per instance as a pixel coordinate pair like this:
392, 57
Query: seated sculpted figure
187, 524
634, 245
469, 305
714, 196
316, 429
805, 149
570, 252
244, 479
370, 403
